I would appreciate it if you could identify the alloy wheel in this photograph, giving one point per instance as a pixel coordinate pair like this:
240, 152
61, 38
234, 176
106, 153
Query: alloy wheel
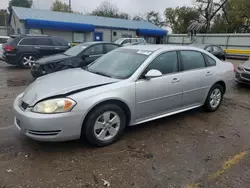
215, 98
107, 126
28, 60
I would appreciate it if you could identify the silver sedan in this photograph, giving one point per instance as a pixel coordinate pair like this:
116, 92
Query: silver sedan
243, 73
128, 86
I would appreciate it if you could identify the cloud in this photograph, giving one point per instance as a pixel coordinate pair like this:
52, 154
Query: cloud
132, 7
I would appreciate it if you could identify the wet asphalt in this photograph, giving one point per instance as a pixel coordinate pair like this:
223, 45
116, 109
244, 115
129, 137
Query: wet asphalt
190, 150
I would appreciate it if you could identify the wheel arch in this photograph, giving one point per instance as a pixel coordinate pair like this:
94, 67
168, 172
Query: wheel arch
223, 84
28, 53
123, 105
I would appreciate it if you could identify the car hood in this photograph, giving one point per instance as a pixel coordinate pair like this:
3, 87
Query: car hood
52, 59
63, 83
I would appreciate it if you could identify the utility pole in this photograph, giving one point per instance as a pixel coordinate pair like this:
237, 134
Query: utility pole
69, 5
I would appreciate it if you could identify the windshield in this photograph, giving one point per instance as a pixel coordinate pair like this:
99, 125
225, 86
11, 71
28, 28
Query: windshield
74, 51
120, 63
118, 41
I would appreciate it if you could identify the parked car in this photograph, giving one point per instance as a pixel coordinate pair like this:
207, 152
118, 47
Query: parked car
130, 41
213, 49
3, 40
77, 56
243, 73
24, 50
128, 86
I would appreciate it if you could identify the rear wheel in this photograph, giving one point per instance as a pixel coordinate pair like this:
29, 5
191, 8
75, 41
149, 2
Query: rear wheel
27, 61
104, 125
214, 98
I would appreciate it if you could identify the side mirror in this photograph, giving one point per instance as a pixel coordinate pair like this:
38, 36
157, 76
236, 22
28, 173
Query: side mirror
153, 73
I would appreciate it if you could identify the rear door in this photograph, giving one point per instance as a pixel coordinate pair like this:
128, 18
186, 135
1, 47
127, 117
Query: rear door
60, 45
93, 53
197, 77
45, 46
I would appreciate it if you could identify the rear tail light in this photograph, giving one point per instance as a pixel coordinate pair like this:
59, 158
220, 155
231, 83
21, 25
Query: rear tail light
8, 48
234, 68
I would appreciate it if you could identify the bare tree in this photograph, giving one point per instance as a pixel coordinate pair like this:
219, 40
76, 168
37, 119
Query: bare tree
208, 9
107, 9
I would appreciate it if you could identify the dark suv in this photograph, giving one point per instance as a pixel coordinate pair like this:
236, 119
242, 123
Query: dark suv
23, 50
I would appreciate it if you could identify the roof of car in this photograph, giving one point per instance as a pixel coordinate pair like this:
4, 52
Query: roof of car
98, 42
155, 47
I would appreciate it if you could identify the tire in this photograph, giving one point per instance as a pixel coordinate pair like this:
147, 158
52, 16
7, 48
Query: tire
97, 118
214, 98
223, 58
27, 60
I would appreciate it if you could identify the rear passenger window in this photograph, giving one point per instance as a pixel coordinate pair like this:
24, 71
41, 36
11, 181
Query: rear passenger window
134, 40
44, 42
211, 61
126, 41
59, 42
27, 41
141, 40
192, 60
166, 63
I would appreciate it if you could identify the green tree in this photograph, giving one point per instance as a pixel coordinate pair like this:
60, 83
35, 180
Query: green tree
237, 14
60, 6
20, 3
180, 18
3, 17
208, 9
155, 18
107, 9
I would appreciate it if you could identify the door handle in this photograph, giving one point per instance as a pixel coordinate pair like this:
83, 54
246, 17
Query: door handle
36, 47
57, 48
175, 80
209, 73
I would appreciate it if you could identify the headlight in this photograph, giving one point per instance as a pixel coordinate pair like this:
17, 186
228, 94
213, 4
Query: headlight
240, 68
52, 106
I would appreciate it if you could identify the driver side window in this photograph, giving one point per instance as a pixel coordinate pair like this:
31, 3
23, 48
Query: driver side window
166, 63
94, 50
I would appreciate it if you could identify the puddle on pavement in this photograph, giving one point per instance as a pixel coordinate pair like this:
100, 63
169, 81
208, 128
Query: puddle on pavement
14, 82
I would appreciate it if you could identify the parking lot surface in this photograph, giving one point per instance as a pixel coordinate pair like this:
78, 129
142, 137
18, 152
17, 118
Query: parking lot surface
193, 149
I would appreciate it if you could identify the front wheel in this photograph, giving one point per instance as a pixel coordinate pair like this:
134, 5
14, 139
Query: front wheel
104, 125
27, 61
214, 98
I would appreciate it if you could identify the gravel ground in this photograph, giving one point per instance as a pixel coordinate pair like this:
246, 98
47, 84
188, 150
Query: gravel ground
193, 149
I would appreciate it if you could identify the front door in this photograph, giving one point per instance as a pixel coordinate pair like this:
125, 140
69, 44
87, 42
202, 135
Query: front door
163, 94
98, 36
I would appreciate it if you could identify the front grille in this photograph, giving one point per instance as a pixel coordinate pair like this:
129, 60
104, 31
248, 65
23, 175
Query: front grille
44, 133
24, 105
247, 76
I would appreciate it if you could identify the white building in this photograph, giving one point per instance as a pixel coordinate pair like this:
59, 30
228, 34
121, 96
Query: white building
81, 28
